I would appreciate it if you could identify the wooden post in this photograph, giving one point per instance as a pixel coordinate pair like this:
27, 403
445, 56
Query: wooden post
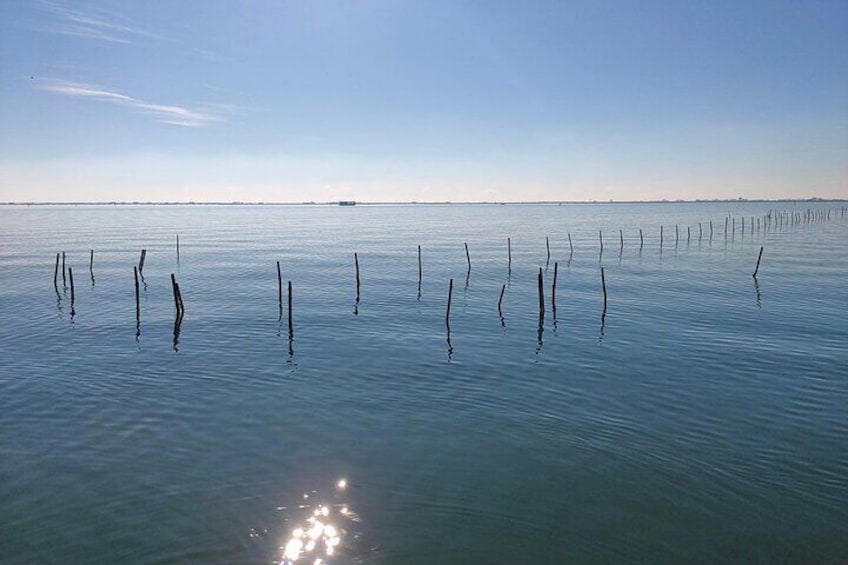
621, 237
661, 237
176, 293
141, 262
548, 248
570, 245
500, 300
356, 263
137, 303
447, 312
601, 239
420, 270
541, 294
64, 277
91, 262
700, 231
676, 234
757, 268
553, 288
291, 327
711, 230
641, 240
468, 257
56, 274
604, 287
71, 277
688, 235
280, 288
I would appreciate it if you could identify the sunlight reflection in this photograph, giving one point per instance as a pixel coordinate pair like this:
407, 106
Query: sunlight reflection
319, 536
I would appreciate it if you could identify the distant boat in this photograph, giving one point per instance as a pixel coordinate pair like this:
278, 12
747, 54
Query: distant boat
347, 203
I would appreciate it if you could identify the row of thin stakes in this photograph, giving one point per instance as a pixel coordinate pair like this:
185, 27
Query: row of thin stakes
765, 222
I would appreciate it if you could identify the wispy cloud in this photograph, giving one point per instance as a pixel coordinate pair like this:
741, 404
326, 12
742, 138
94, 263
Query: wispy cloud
163, 113
90, 24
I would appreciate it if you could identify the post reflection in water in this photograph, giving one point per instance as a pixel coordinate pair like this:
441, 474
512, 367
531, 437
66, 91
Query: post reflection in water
319, 537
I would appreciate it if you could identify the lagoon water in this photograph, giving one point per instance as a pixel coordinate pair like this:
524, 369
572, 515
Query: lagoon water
701, 419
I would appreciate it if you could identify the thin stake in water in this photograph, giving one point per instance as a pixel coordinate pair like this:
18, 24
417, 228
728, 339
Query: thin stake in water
541, 293
759, 257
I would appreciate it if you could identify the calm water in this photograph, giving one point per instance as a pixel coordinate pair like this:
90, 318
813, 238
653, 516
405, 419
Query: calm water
701, 419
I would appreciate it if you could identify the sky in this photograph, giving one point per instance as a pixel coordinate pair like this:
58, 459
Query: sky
373, 100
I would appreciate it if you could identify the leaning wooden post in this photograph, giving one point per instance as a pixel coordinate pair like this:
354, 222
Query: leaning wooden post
757, 268
468, 257
447, 311
141, 262
548, 248
570, 245
64, 277
176, 293
56, 274
621, 237
508, 254
604, 287
541, 294
137, 303
641, 240
601, 239
500, 299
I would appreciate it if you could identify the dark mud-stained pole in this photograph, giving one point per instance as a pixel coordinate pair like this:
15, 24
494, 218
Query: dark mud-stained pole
725, 227
676, 234
601, 240
641, 240
280, 288
141, 262
757, 268
56, 274
468, 257
553, 288
500, 300
700, 231
548, 249
356, 264
447, 311
621, 238
420, 268
604, 287
661, 238
711, 231
64, 277
570, 245
541, 293
178, 302
291, 327
71, 278
91, 263
137, 303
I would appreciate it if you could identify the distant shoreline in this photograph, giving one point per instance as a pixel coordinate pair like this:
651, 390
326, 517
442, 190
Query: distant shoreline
434, 203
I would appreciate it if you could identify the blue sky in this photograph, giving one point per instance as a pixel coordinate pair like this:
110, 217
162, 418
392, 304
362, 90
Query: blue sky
400, 100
